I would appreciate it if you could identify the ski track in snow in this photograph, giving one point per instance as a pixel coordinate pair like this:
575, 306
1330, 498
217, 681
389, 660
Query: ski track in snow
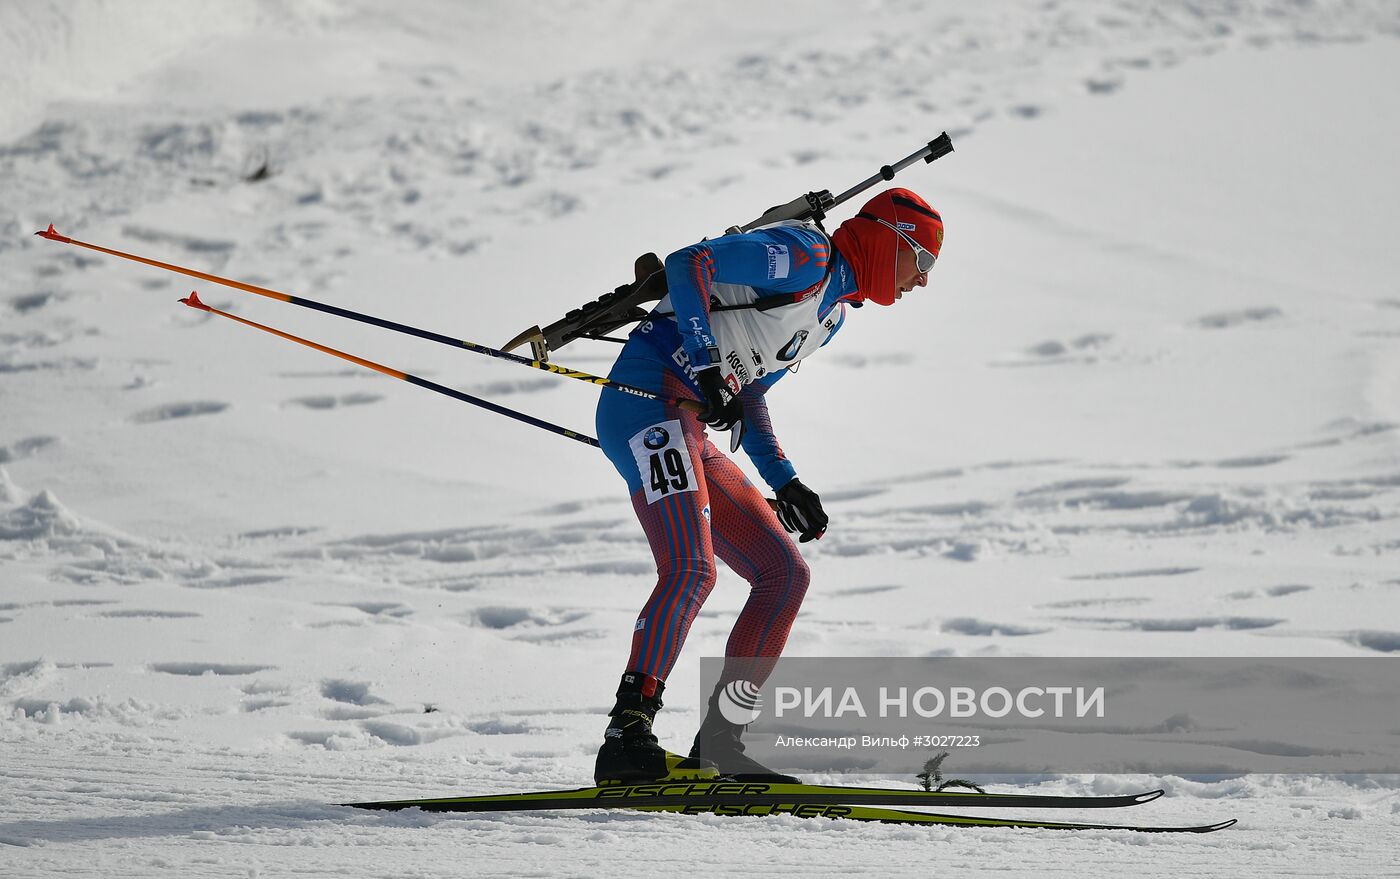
395, 159
462, 585
145, 817
85, 749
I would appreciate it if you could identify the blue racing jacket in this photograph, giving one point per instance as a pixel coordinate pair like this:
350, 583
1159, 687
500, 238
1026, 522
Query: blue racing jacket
777, 267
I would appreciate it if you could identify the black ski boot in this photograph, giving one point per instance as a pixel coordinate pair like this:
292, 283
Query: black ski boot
719, 740
630, 752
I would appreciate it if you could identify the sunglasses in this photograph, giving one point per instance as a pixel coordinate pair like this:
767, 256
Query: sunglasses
923, 257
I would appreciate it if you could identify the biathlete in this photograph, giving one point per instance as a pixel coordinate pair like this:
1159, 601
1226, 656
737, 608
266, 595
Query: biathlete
741, 311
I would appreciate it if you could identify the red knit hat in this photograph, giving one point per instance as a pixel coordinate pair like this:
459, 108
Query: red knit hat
870, 246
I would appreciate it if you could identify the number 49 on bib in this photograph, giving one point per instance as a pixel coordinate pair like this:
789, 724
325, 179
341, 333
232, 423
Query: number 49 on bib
663, 461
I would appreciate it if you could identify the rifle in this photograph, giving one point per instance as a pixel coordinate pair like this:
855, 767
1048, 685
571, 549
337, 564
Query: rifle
594, 320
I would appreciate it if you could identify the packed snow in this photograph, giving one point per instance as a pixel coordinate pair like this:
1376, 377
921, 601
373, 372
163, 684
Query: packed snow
1149, 404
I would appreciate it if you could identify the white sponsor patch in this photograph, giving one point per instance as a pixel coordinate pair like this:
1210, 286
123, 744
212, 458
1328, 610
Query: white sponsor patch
779, 262
663, 460
641, 624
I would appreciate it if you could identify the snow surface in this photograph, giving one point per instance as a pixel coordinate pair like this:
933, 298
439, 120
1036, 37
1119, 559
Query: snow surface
1147, 406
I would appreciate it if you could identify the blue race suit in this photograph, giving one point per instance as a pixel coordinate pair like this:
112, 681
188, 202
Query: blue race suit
693, 502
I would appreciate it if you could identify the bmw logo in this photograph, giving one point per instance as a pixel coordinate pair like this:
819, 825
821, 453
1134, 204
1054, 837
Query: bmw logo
656, 438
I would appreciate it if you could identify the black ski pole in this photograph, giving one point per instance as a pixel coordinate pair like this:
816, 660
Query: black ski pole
193, 301
476, 348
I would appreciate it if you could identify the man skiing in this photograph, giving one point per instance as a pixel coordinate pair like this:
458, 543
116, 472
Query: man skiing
741, 312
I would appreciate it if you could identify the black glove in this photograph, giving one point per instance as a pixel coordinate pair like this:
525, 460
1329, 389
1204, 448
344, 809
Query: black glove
723, 411
800, 511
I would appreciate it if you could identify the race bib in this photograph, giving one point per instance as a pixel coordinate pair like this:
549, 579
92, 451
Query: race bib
663, 460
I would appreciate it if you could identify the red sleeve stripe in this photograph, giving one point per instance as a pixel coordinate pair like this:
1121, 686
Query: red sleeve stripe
702, 272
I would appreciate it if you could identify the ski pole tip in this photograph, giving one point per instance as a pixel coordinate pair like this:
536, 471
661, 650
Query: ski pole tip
52, 234
193, 301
